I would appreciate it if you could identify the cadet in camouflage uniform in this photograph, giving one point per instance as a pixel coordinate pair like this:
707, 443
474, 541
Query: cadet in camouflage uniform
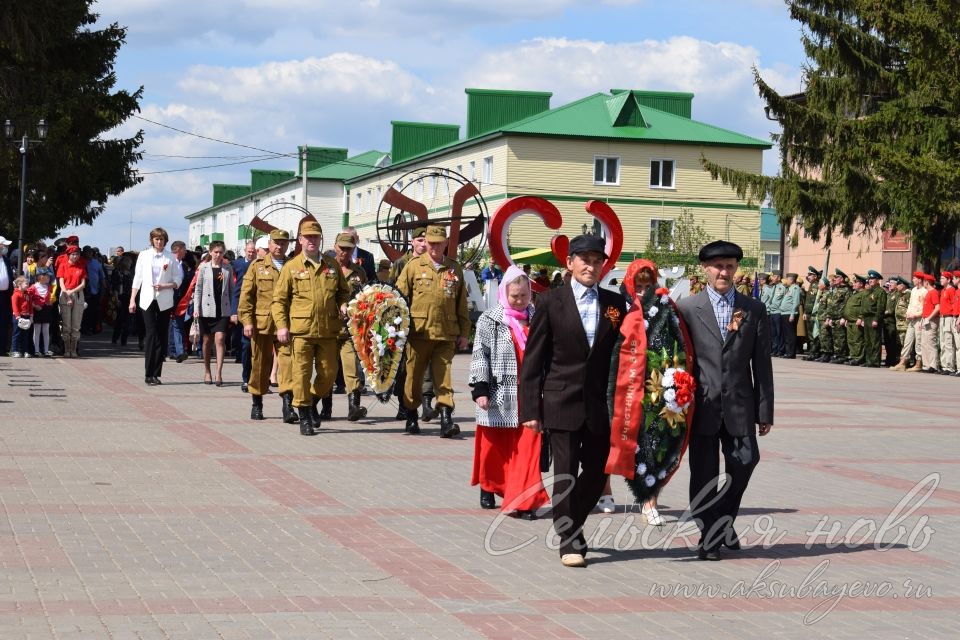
853, 321
874, 307
808, 299
892, 343
839, 294
824, 345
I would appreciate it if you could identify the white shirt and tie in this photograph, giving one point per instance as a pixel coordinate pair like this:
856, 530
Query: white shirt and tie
588, 305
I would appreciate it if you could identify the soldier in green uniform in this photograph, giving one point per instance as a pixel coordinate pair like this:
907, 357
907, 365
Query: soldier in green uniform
434, 286
853, 321
253, 312
808, 300
309, 306
891, 338
874, 307
356, 279
789, 316
841, 291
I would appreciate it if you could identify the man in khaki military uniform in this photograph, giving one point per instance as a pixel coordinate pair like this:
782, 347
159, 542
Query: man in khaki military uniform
433, 284
254, 312
356, 279
418, 247
309, 306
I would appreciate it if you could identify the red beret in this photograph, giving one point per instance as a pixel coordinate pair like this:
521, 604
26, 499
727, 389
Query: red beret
73, 249
929, 276
918, 274
73, 240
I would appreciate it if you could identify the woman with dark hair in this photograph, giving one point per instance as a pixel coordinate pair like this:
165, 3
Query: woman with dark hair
155, 277
212, 296
121, 282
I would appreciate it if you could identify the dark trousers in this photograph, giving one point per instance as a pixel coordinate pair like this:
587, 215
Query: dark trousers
776, 335
715, 514
891, 341
156, 325
6, 318
121, 324
580, 454
246, 362
788, 336
90, 322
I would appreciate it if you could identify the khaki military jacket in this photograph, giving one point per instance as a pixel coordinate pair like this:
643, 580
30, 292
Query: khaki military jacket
437, 297
256, 296
397, 267
308, 295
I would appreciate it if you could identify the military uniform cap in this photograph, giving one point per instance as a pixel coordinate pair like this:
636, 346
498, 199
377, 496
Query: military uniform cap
873, 274
310, 227
586, 243
792, 275
839, 273
720, 249
436, 233
279, 234
814, 271
418, 232
901, 280
859, 277
345, 240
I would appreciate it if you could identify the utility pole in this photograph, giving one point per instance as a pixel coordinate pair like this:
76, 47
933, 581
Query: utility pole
130, 239
304, 173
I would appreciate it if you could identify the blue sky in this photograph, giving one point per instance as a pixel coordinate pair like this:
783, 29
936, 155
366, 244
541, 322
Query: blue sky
277, 73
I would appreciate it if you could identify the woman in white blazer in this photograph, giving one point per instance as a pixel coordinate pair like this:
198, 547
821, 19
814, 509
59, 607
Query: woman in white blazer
212, 296
155, 278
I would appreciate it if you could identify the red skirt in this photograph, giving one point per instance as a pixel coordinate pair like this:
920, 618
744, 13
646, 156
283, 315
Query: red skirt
506, 461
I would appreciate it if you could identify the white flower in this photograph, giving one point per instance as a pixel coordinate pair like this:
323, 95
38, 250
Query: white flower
670, 396
401, 334
668, 377
638, 451
662, 474
646, 325
664, 299
641, 468
396, 320
650, 480
673, 407
653, 311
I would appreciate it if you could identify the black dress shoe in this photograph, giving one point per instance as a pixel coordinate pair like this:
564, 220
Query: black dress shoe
156, 380
708, 554
525, 515
487, 500
149, 381
183, 356
731, 541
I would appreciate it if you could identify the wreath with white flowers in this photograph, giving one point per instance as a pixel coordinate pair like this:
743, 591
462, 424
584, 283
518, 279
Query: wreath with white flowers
379, 324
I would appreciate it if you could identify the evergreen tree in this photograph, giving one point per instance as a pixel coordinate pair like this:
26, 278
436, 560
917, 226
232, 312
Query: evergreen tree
681, 246
54, 64
874, 139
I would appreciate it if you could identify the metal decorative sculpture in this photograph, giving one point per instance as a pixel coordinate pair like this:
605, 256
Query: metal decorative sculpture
398, 214
260, 223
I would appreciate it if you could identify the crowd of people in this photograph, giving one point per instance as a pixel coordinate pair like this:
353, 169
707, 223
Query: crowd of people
866, 320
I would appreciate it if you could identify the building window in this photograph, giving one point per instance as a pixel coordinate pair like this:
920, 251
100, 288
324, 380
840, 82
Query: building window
359, 200
460, 169
606, 170
771, 261
369, 199
661, 174
472, 171
431, 187
661, 234
488, 170
379, 196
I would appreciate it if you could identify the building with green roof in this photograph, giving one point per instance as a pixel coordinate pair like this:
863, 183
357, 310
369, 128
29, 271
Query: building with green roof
639, 151
234, 205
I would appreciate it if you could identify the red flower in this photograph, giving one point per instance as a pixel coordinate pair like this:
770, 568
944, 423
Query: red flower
380, 297
663, 291
683, 397
391, 343
165, 266
684, 384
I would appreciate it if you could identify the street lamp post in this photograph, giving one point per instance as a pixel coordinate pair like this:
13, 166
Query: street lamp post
25, 142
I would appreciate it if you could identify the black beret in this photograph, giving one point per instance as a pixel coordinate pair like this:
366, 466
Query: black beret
587, 242
720, 249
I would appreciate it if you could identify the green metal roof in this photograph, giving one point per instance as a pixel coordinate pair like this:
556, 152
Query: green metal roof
490, 109
590, 117
411, 139
349, 168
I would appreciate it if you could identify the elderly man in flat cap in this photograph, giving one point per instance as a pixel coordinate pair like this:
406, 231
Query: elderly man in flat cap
734, 375
563, 388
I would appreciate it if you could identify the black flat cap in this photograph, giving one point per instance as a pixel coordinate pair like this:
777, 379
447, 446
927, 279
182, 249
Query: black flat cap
720, 249
587, 242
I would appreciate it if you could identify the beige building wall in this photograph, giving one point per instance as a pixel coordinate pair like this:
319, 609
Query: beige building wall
857, 254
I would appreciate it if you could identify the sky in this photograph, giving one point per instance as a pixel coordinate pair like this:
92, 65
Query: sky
275, 74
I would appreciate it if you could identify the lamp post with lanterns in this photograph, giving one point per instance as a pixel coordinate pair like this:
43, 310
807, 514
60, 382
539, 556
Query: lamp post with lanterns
25, 142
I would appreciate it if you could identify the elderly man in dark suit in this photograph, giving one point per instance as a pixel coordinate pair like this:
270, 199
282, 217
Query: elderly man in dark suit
563, 388
731, 338
7, 275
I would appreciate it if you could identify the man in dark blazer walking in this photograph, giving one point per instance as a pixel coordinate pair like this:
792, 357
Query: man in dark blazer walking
563, 388
734, 376
7, 275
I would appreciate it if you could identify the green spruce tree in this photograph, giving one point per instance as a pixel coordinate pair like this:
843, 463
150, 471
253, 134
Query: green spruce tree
875, 137
56, 65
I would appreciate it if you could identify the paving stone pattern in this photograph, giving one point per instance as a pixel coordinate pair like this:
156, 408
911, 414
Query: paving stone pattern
164, 512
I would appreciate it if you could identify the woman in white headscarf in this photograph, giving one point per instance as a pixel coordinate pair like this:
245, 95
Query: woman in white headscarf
506, 458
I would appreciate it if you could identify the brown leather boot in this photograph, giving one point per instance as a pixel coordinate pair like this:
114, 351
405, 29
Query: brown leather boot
917, 367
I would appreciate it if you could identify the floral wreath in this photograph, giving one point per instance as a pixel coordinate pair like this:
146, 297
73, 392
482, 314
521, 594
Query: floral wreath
379, 322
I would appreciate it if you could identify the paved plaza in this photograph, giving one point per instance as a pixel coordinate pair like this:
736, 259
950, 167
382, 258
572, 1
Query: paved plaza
164, 512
